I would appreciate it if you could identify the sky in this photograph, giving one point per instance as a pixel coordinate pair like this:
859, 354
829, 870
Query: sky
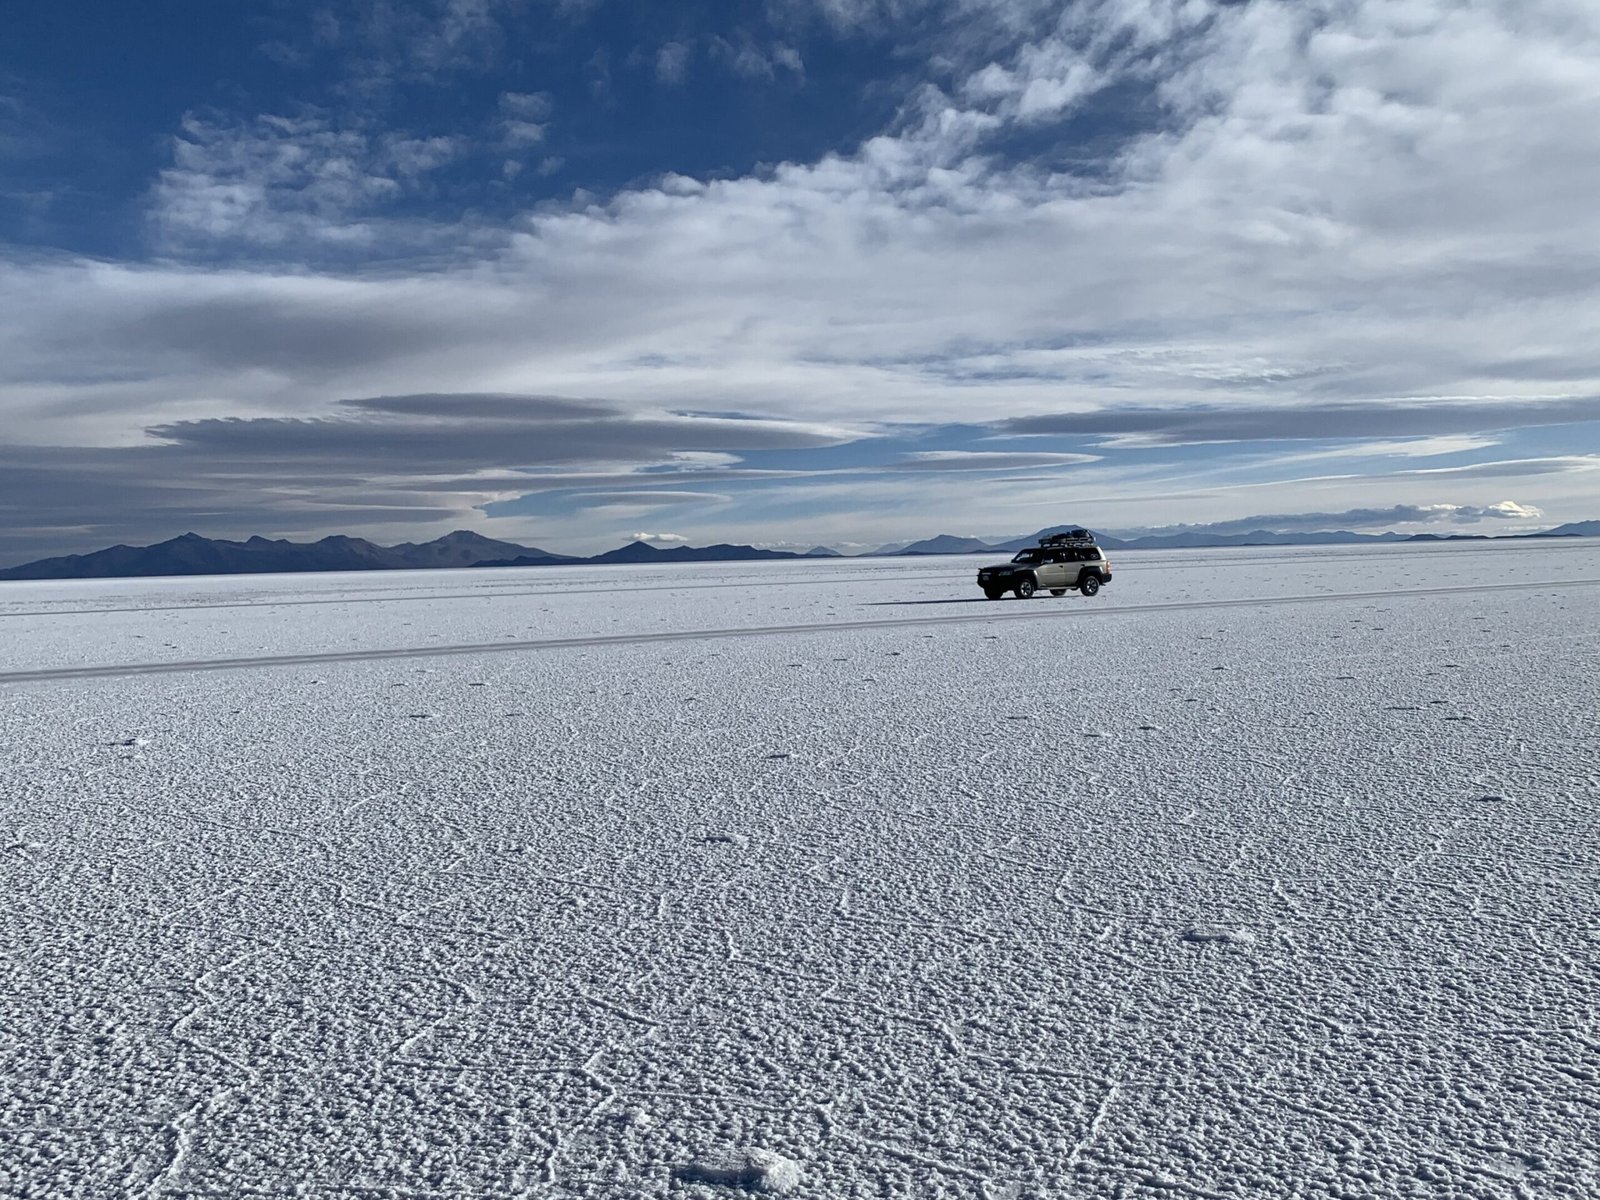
848, 272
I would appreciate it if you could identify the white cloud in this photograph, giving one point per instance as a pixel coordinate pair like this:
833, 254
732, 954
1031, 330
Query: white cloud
1276, 234
700, 459
519, 135
1399, 517
1427, 447
524, 119
526, 106
422, 41
672, 62
1510, 510
644, 498
660, 538
986, 460
789, 59
743, 56
277, 180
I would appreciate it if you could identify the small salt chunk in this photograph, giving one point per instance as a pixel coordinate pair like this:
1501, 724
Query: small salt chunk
1201, 934
747, 1167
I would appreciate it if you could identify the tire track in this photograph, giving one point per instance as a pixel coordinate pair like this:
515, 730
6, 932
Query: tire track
988, 613
742, 582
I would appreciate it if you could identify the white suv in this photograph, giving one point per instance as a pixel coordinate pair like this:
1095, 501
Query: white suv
1055, 564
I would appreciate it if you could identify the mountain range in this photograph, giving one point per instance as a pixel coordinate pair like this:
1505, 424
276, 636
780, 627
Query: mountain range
644, 552
192, 554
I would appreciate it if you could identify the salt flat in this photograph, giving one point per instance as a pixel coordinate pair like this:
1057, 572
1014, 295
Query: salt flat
1265, 873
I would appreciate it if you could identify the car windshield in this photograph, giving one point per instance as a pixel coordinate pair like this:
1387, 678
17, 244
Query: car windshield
1028, 558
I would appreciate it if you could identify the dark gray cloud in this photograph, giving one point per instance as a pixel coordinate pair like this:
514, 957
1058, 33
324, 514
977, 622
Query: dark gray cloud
390, 443
621, 478
298, 333
59, 500
388, 460
1370, 419
503, 406
263, 332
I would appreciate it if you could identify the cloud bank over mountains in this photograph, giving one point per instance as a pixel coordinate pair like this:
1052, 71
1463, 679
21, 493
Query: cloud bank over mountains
1358, 520
1132, 257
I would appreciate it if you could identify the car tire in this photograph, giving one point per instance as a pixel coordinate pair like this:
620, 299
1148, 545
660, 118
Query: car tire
1026, 589
1089, 584
993, 593
1058, 591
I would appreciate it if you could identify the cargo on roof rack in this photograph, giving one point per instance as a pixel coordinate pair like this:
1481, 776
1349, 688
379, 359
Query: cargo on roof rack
1072, 537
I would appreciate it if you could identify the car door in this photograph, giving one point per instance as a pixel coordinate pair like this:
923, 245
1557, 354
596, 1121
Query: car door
1053, 571
1077, 561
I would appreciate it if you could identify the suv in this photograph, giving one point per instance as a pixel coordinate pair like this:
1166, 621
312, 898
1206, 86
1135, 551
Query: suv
1065, 560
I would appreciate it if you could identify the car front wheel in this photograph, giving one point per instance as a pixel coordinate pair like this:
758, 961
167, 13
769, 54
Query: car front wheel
1025, 589
993, 593
1089, 585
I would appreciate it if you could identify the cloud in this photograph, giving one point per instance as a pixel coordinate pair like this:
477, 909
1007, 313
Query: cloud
643, 498
25, 131
274, 179
388, 460
491, 430
743, 56
661, 538
1510, 510
672, 62
1424, 447
524, 118
984, 460
526, 106
494, 406
1357, 519
1377, 418
1255, 232
420, 42
1509, 468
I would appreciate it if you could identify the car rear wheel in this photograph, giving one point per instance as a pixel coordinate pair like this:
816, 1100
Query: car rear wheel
1058, 591
1089, 584
1025, 589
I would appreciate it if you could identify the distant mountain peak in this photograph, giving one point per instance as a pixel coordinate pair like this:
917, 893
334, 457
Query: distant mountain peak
946, 543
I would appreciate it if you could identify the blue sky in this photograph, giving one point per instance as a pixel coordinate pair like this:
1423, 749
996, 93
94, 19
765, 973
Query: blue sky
839, 271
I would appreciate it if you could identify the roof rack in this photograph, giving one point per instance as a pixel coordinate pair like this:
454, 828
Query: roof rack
1072, 537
